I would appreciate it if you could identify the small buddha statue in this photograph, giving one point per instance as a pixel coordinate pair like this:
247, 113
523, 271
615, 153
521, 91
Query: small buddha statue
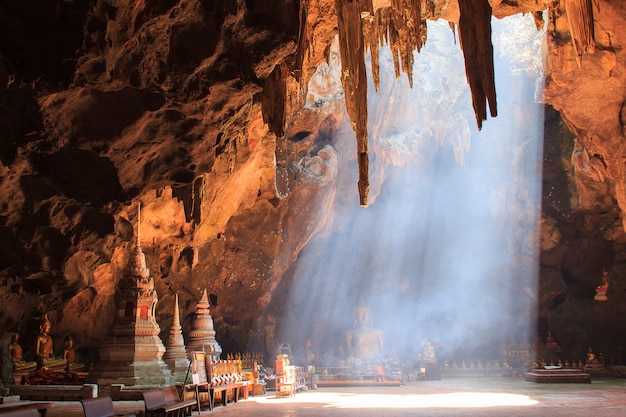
428, 353
15, 349
16, 352
603, 287
593, 364
68, 353
363, 340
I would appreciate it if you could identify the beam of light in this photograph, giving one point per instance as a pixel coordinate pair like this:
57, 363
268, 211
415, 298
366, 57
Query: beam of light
403, 401
448, 249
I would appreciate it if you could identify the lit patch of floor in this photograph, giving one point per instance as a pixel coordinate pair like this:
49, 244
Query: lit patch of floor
406, 401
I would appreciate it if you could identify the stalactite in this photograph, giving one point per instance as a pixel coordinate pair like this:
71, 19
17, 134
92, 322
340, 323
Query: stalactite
580, 21
401, 27
190, 195
303, 40
184, 193
475, 40
273, 99
354, 80
360, 26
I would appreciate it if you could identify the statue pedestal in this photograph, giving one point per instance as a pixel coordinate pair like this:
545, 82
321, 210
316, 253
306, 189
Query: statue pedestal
131, 363
9, 399
430, 371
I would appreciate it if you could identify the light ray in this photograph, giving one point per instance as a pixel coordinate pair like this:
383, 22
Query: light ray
448, 249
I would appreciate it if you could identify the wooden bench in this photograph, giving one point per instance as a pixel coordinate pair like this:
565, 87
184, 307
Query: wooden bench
40, 407
19, 412
237, 388
172, 396
55, 392
157, 405
101, 407
213, 377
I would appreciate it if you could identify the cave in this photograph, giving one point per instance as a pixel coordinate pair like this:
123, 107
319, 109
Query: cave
268, 146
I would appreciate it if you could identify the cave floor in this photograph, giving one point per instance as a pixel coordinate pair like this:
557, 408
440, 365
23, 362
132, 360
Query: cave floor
489, 396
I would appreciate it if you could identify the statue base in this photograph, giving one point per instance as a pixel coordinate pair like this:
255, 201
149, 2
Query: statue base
9, 399
137, 373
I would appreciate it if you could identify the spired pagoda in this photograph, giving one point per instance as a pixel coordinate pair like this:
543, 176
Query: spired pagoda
176, 354
132, 354
202, 334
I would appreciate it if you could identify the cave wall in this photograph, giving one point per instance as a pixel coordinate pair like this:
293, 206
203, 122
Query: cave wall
582, 212
194, 110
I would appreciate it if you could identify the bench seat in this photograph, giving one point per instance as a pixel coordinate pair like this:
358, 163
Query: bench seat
101, 407
237, 388
158, 405
19, 412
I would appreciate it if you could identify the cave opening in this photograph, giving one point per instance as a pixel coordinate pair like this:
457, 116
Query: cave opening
447, 249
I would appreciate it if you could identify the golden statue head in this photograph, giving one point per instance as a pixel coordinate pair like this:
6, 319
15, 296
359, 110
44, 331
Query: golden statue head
44, 327
361, 315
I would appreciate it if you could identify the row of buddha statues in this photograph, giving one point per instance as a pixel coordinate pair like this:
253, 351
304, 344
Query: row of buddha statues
360, 341
203, 334
44, 351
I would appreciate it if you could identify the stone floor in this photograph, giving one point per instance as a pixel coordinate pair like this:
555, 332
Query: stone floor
467, 397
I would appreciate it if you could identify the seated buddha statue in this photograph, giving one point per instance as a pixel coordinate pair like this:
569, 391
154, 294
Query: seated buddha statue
69, 354
44, 348
428, 353
363, 340
16, 352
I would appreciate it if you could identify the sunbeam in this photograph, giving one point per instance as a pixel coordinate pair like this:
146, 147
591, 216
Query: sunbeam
448, 249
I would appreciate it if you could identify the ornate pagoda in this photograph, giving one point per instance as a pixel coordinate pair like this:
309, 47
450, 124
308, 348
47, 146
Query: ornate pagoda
202, 334
132, 354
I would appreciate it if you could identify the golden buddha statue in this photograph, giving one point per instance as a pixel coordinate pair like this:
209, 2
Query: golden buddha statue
363, 341
44, 349
603, 287
428, 353
16, 352
15, 349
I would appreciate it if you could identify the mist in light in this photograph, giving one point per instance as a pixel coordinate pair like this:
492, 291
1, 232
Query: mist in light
448, 250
